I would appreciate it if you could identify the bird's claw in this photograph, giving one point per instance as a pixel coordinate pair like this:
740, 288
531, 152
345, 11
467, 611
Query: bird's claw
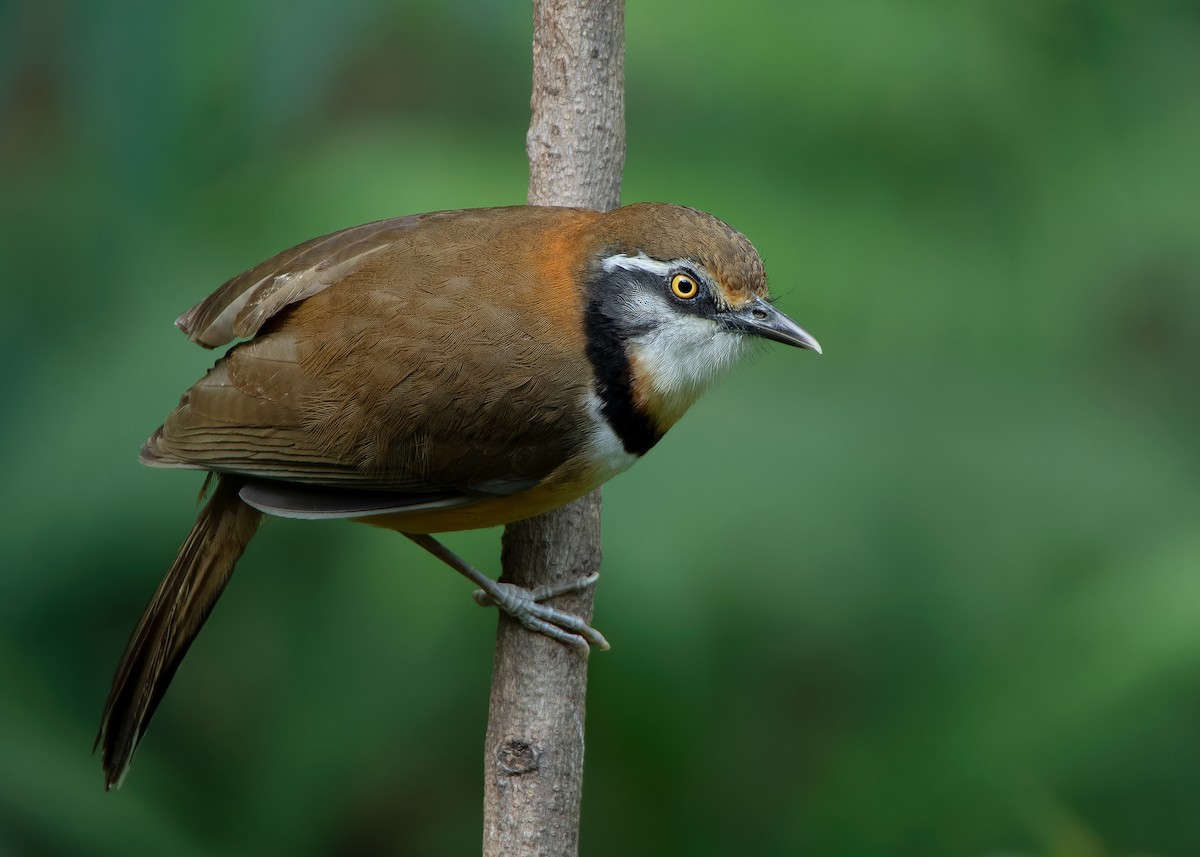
525, 605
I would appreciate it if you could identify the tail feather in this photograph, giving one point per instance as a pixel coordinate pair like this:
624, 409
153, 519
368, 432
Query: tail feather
172, 620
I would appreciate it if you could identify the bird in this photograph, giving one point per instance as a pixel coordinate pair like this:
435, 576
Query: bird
439, 372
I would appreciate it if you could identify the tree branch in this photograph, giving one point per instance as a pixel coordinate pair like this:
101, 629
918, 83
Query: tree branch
533, 759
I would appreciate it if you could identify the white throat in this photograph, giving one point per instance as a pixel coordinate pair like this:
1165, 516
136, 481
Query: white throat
677, 355
679, 359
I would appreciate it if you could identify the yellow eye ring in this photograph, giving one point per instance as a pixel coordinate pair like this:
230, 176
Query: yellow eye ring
684, 286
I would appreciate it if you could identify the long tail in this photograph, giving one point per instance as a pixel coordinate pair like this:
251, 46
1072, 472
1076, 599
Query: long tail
175, 616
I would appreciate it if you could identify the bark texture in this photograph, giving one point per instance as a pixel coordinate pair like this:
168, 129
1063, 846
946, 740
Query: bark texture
533, 760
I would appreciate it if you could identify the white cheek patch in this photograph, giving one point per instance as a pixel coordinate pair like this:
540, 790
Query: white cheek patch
678, 354
682, 354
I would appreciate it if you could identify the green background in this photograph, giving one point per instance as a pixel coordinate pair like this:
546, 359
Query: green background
934, 593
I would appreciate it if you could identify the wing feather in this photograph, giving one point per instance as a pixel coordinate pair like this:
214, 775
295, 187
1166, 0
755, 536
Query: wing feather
393, 356
308, 502
246, 302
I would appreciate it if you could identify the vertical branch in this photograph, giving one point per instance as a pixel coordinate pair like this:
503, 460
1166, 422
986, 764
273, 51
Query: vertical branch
533, 757
576, 140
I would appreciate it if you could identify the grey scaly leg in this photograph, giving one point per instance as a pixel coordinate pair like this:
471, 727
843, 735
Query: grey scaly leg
524, 605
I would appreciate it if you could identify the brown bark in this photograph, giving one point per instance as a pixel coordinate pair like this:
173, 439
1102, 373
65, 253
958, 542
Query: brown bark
533, 758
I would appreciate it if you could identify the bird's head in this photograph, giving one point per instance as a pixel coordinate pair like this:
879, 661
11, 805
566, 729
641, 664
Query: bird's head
675, 296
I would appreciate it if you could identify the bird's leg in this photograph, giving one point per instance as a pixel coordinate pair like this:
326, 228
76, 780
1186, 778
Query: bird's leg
524, 605
543, 593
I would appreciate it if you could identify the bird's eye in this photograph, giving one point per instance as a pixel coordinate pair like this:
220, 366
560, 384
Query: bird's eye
684, 286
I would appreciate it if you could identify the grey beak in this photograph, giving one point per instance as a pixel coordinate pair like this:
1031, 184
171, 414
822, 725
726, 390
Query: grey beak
759, 318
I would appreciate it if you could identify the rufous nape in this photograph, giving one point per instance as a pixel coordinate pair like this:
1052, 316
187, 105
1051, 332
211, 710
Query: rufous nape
439, 372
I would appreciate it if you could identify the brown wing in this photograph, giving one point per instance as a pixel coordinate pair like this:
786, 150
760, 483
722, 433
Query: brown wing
421, 365
240, 307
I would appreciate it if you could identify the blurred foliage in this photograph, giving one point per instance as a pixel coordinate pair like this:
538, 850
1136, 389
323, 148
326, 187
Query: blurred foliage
934, 593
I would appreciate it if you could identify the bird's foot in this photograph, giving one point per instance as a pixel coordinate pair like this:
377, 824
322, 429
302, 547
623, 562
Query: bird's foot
525, 605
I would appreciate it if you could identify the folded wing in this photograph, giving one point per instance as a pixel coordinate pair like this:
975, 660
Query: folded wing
371, 371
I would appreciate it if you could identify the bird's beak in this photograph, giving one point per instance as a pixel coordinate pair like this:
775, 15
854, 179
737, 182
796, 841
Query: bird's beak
759, 318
